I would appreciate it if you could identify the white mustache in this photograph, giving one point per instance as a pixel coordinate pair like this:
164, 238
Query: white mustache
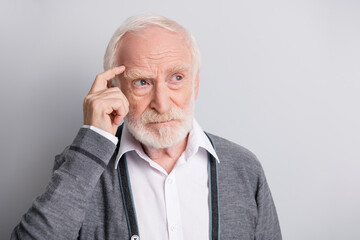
152, 116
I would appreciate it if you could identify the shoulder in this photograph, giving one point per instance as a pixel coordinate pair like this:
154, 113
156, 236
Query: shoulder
235, 156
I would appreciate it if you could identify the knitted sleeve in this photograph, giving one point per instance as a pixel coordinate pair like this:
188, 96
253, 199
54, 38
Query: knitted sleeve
58, 213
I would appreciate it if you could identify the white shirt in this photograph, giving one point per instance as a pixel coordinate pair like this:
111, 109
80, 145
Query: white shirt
171, 206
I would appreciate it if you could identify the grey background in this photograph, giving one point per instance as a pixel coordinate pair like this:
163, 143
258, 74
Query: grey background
279, 77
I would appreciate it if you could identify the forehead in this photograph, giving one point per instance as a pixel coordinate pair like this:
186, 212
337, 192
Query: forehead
153, 47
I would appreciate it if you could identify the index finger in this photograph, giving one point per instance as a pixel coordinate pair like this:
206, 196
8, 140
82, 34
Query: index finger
102, 79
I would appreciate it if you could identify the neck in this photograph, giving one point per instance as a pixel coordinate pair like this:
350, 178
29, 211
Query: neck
166, 157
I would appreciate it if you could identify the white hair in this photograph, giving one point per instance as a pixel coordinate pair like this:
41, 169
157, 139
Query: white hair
139, 22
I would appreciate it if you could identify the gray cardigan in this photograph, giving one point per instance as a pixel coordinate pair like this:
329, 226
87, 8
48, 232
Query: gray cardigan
83, 198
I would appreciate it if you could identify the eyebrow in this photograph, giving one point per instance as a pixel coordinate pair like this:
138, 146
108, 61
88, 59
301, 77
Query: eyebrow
135, 74
138, 74
180, 68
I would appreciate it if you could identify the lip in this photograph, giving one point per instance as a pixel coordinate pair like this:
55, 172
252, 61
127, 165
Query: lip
162, 122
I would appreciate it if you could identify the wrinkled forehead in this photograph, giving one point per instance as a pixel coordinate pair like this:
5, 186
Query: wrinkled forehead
153, 45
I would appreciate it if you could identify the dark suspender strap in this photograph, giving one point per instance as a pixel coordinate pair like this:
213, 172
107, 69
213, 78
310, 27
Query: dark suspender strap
126, 193
213, 196
127, 197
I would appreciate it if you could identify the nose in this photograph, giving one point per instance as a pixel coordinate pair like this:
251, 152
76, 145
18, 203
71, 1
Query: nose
161, 100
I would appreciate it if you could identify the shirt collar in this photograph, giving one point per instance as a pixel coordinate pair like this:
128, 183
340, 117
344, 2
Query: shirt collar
197, 139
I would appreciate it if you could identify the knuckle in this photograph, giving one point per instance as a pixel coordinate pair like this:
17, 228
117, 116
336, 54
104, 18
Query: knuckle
108, 90
116, 89
89, 98
86, 100
98, 77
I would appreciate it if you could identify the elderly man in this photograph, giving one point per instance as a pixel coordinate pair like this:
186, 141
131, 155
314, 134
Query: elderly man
158, 175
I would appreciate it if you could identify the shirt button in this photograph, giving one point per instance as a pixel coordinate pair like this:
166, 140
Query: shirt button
170, 181
135, 237
173, 228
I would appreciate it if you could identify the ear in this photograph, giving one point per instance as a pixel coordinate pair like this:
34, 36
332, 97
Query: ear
196, 86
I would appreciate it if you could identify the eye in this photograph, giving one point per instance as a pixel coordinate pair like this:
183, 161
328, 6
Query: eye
176, 78
140, 82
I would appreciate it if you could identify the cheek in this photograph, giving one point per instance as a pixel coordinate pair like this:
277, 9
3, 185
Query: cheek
184, 97
137, 106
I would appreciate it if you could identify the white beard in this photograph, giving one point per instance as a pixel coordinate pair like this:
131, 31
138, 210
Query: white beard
164, 136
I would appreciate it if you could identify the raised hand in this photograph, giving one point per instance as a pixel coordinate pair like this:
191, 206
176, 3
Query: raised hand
105, 107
